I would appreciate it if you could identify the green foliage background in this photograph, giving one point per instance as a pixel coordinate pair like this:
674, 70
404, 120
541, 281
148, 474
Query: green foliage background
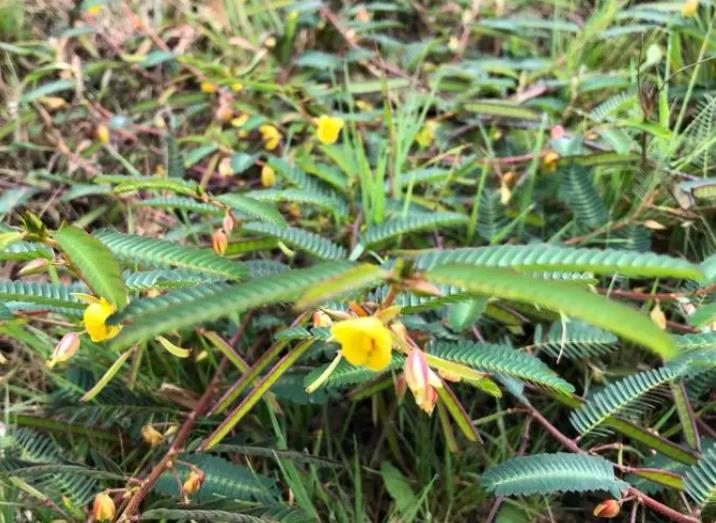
530, 182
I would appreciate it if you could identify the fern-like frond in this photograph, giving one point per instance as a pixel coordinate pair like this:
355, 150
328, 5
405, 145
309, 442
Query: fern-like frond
628, 394
545, 257
413, 223
700, 340
182, 203
44, 293
581, 197
552, 473
578, 340
153, 252
37, 448
165, 279
298, 238
320, 200
565, 298
501, 359
490, 215
183, 308
700, 479
25, 251
609, 109
255, 208
173, 158
123, 184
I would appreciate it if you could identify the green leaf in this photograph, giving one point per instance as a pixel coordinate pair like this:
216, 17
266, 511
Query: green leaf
545, 257
222, 480
416, 222
354, 279
183, 308
501, 359
44, 293
254, 208
575, 340
123, 184
298, 238
700, 479
154, 252
240, 162
178, 202
95, 262
704, 316
398, 488
628, 394
301, 196
107, 376
552, 473
563, 297
25, 251
256, 394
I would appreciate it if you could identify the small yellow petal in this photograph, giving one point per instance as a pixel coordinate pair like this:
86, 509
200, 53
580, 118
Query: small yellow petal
328, 128
268, 176
364, 341
94, 319
208, 87
689, 8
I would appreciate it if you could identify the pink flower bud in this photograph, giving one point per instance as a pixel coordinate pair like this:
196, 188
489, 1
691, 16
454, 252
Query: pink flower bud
65, 349
421, 380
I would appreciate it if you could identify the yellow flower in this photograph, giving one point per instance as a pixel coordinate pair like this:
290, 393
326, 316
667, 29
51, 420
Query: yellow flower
689, 8
93, 8
94, 319
237, 86
364, 341
103, 508
240, 120
268, 176
151, 435
426, 135
102, 133
271, 136
208, 87
550, 160
328, 128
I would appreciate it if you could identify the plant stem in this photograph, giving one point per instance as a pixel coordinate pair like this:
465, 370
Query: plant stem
650, 502
201, 407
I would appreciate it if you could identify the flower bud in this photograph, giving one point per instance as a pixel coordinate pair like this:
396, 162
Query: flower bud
151, 435
321, 319
193, 482
224, 112
268, 176
219, 241
689, 8
225, 169
103, 508
550, 160
65, 349
609, 508
208, 87
34, 267
102, 134
421, 380
228, 223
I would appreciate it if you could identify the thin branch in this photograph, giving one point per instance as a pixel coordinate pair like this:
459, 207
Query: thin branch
201, 407
572, 446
